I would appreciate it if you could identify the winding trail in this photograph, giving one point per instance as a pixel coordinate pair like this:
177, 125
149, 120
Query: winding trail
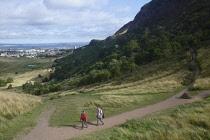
43, 132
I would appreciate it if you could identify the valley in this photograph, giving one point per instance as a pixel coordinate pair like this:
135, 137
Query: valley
136, 76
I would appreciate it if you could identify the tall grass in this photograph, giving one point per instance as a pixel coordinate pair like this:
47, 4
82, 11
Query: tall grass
117, 101
16, 104
203, 81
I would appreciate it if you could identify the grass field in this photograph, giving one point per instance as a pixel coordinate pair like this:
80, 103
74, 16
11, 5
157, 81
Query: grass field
18, 69
13, 107
185, 122
20, 65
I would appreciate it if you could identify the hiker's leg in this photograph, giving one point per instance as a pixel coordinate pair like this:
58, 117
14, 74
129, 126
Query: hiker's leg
86, 124
82, 124
97, 120
101, 121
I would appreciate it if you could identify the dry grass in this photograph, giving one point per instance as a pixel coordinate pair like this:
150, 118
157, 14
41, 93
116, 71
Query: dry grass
114, 101
141, 91
203, 81
21, 79
165, 84
16, 104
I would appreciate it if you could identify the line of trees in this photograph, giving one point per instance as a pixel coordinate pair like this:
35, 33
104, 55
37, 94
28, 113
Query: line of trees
39, 88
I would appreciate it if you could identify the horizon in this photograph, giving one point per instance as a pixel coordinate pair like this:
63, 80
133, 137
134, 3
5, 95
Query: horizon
40, 43
51, 21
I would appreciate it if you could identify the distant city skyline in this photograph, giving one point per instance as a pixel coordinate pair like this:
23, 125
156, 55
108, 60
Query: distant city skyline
57, 21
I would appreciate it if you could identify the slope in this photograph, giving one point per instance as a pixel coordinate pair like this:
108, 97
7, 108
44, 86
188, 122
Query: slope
163, 29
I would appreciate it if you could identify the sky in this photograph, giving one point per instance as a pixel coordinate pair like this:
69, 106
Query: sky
58, 21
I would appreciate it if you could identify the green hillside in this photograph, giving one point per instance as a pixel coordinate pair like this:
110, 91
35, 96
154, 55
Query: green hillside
163, 30
145, 62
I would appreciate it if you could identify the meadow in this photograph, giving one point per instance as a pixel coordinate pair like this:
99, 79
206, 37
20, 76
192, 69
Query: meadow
13, 107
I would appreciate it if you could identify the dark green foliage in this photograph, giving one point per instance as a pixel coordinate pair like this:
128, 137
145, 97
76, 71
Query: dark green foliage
95, 76
46, 79
162, 29
2, 83
9, 80
39, 89
10, 86
39, 76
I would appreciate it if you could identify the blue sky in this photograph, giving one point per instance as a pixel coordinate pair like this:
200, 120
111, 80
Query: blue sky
56, 21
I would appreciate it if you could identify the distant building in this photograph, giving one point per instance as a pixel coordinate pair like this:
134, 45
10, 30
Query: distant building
3, 54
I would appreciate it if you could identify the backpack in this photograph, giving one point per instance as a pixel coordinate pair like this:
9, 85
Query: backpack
103, 115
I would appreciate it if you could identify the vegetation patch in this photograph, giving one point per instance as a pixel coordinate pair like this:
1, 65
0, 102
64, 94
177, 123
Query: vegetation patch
203, 81
16, 113
16, 104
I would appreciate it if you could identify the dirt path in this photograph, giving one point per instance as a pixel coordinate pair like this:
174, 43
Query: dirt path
43, 132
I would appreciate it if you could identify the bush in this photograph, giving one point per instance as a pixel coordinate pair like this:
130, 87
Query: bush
46, 79
39, 76
2, 83
10, 86
55, 87
9, 80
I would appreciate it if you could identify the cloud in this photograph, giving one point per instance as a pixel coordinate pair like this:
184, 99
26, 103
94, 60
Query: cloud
124, 9
57, 19
60, 4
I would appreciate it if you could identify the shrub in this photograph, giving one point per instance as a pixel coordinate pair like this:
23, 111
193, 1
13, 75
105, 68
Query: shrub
9, 80
10, 86
2, 83
39, 76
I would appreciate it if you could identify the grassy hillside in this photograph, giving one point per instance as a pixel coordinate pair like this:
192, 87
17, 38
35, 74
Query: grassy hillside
12, 112
149, 84
163, 29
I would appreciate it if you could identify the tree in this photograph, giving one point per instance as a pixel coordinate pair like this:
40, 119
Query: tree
131, 46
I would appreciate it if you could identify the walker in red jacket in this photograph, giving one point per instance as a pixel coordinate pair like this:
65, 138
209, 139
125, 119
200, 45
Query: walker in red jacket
84, 119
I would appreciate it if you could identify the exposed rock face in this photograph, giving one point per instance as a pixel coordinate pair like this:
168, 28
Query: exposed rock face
159, 12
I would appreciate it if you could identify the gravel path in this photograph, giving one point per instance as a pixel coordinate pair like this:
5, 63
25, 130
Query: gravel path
43, 132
